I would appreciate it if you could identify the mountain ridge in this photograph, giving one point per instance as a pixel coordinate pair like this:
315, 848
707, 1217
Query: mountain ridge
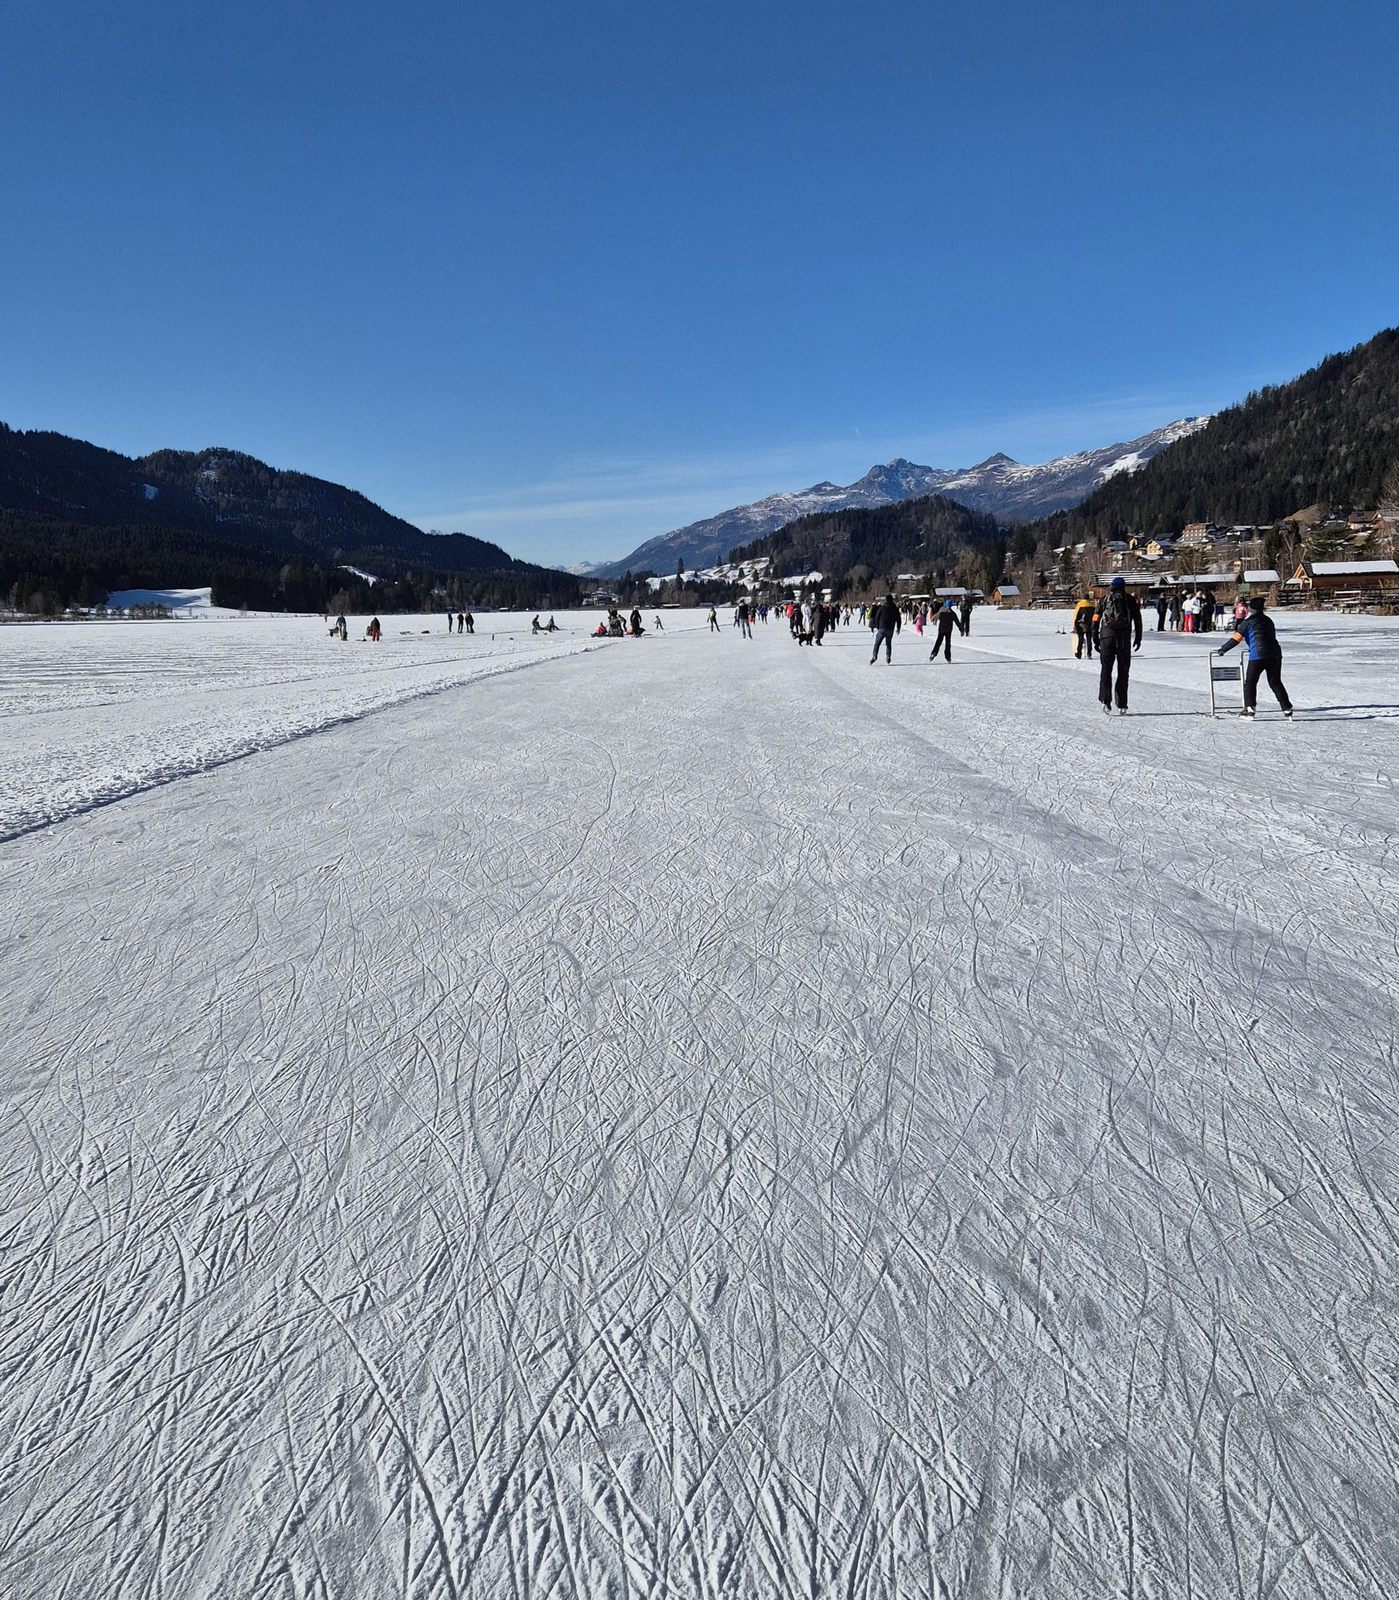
999, 486
76, 517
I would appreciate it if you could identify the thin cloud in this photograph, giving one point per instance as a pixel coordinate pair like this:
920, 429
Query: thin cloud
625, 499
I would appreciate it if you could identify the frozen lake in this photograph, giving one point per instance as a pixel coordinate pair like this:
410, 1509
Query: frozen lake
692, 1117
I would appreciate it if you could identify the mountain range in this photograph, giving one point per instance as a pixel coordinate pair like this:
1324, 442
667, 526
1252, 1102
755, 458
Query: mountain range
999, 486
77, 520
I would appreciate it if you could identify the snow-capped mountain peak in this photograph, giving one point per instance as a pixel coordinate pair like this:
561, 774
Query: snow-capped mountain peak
999, 485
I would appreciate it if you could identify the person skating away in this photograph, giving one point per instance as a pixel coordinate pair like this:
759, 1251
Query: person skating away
885, 620
713, 620
947, 620
1256, 630
461, 622
1117, 631
1083, 628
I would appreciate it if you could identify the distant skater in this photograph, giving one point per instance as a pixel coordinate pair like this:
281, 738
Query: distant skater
1256, 630
1117, 629
657, 624
461, 623
967, 604
947, 619
373, 631
1161, 604
470, 623
713, 620
885, 620
1083, 628
342, 627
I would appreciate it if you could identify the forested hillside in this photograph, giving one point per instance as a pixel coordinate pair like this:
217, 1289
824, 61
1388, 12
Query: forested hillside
872, 545
1330, 437
77, 521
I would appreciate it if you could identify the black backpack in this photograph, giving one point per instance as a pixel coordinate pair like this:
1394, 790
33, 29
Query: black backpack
1115, 613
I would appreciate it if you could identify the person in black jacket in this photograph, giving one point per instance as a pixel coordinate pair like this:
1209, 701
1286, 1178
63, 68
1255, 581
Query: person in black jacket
1117, 631
887, 623
947, 621
1256, 630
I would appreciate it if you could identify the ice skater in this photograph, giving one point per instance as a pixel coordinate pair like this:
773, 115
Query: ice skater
886, 622
1117, 631
1256, 630
947, 620
1083, 628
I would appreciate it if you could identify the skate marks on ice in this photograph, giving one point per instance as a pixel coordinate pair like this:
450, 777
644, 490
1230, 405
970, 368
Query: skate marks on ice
764, 1152
95, 712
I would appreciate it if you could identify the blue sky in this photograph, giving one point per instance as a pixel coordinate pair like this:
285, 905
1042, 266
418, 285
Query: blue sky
569, 275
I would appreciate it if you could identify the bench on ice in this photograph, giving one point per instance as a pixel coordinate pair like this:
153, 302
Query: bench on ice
1225, 672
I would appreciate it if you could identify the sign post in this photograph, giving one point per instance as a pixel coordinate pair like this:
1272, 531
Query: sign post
1225, 672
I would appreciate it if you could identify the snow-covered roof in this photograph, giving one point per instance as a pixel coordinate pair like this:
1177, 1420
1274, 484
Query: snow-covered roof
1008, 588
1261, 575
1349, 569
949, 594
1131, 579
1211, 579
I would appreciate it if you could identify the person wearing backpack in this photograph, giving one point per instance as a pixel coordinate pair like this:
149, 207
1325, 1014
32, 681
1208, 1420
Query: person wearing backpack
1117, 631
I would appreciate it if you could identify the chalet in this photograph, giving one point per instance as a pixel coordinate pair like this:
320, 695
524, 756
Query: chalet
1007, 595
1259, 578
1197, 533
1357, 582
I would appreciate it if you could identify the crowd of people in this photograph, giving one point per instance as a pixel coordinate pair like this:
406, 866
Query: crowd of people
1108, 628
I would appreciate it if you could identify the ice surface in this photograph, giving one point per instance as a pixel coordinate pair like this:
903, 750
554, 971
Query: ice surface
94, 711
701, 1118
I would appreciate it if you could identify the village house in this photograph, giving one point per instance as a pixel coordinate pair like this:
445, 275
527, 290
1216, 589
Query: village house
1347, 583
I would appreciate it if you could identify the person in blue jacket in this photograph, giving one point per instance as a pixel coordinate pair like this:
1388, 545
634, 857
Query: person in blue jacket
1256, 630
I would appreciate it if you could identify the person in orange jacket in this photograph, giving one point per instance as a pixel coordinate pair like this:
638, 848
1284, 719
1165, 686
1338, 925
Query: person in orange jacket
1083, 628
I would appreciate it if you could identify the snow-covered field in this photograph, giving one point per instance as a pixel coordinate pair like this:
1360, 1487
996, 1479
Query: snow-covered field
695, 1117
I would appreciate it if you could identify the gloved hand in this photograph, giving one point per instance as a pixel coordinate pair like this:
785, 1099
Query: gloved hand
1137, 646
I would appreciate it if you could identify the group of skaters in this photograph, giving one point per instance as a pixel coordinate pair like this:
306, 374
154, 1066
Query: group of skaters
614, 628
1197, 612
464, 622
1112, 627
886, 617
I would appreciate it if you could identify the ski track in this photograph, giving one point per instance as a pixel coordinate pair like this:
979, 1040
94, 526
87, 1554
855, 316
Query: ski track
713, 1119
